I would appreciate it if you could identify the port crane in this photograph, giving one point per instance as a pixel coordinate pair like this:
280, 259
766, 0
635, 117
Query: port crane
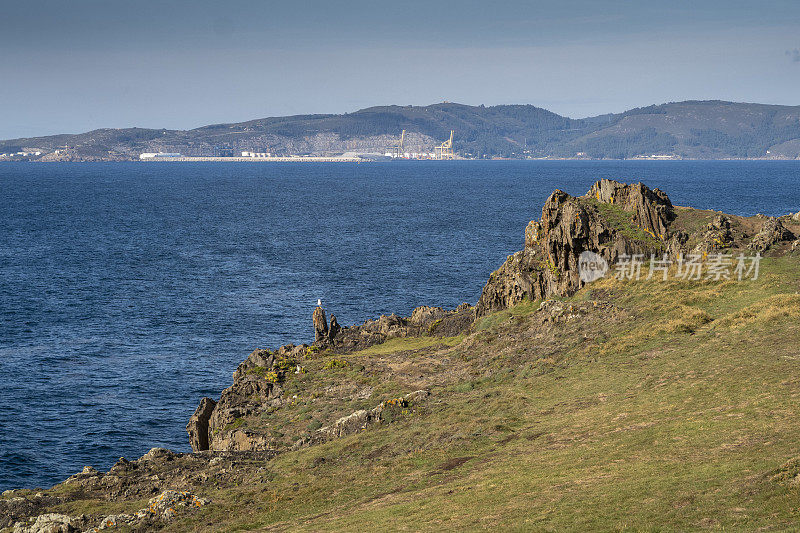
445, 150
399, 150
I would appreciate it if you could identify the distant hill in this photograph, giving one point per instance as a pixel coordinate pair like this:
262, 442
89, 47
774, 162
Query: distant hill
695, 129
692, 129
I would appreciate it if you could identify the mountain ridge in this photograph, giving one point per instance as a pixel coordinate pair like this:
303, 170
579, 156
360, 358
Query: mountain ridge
692, 129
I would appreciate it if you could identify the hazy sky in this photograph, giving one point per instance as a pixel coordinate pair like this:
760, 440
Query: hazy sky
72, 66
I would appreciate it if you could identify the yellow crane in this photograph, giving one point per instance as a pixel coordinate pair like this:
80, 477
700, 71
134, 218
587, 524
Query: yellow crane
445, 150
399, 150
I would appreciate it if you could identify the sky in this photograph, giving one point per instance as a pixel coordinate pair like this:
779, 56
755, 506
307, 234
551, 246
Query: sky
73, 66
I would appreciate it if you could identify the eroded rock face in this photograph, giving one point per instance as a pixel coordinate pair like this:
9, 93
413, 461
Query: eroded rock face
49, 523
611, 219
256, 387
320, 325
198, 424
652, 209
18, 508
772, 232
334, 329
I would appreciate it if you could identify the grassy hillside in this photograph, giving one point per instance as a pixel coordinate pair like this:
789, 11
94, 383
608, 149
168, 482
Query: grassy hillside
663, 406
634, 405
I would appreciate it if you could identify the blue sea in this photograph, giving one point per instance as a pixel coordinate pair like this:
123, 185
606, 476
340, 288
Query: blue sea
130, 290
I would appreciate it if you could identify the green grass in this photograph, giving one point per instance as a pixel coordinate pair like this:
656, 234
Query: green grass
671, 431
402, 344
670, 408
620, 220
523, 308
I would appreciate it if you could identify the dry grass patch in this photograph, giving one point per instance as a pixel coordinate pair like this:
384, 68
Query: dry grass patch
777, 307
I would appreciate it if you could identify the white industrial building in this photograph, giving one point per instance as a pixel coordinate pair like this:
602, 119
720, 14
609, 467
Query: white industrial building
159, 155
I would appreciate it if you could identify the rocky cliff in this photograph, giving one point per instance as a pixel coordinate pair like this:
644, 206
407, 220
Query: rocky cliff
613, 219
610, 220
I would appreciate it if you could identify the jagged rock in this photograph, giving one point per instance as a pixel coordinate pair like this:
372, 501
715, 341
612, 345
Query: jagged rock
256, 387
87, 472
248, 396
771, 233
717, 236
796, 217
48, 523
423, 321
334, 328
165, 506
320, 325
258, 359
652, 209
158, 455
18, 508
198, 426
425, 315
257, 380
548, 265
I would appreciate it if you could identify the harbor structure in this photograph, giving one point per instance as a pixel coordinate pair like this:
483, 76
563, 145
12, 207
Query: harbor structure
445, 150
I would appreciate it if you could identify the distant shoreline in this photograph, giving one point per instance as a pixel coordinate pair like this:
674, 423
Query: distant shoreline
319, 159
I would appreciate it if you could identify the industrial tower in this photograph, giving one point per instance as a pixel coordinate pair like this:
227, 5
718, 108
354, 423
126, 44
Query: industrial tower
399, 150
445, 150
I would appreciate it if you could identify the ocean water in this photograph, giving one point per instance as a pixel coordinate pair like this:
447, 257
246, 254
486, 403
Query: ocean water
130, 290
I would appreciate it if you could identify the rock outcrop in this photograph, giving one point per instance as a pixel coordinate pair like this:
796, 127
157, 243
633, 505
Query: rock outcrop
320, 325
256, 388
717, 236
364, 418
610, 220
334, 328
49, 523
433, 321
198, 424
651, 209
18, 508
164, 507
771, 233
258, 381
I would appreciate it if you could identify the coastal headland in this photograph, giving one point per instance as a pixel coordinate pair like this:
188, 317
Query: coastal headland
659, 386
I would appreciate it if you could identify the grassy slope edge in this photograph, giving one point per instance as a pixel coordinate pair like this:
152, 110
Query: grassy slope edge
634, 405
671, 413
